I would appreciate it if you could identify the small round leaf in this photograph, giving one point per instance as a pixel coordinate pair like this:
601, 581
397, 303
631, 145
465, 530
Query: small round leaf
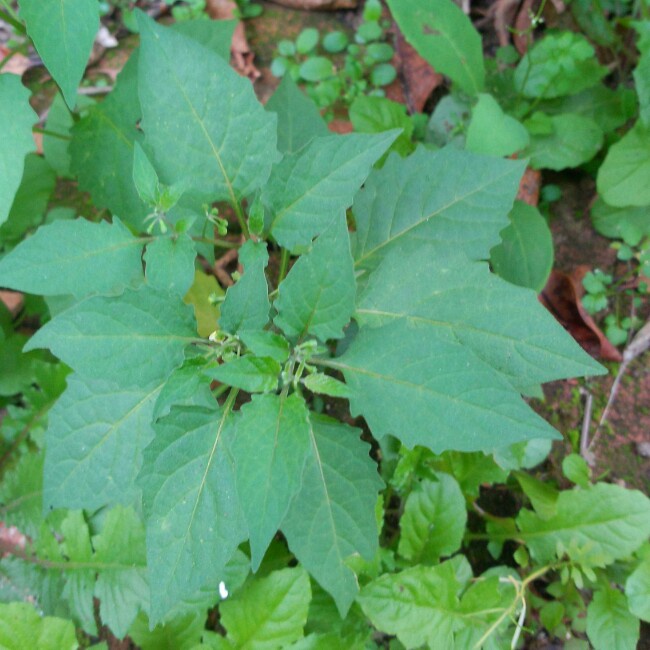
307, 40
383, 74
317, 68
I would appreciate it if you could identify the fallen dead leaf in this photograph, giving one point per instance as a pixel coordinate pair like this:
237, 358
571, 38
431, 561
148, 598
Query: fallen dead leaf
340, 126
562, 297
17, 64
416, 79
240, 52
13, 301
529, 187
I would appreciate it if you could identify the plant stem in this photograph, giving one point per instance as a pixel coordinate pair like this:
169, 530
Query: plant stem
53, 134
284, 265
10, 16
216, 242
239, 213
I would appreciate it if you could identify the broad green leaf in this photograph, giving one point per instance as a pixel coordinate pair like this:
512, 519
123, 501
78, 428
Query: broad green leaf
378, 114
188, 385
60, 122
216, 35
317, 297
610, 623
269, 612
75, 257
97, 432
455, 400
145, 177
226, 151
299, 121
483, 605
525, 255
182, 632
21, 627
266, 344
79, 584
433, 522
624, 177
17, 369
608, 108
642, 71
192, 512
170, 264
637, 590
569, 141
446, 38
269, 450
17, 141
630, 223
121, 586
332, 516
136, 339
250, 373
607, 521
101, 149
542, 495
63, 32
326, 385
493, 132
308, 189
557, 65
448, 122
435, 290
247, 302
28, 209
575, 468
451, 196
199, 296
21, 494
420, 605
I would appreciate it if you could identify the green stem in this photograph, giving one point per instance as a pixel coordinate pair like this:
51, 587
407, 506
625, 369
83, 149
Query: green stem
239, 213
10, 16
53, 134
284, 265
216, 242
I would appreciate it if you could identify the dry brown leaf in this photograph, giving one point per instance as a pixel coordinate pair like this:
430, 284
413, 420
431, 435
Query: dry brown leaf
562, 297
13, 301
240, 52
416, 79
529, 187
17, 64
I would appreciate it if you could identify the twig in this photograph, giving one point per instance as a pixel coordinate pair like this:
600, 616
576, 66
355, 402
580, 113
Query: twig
640, 343
219, 267
586, 423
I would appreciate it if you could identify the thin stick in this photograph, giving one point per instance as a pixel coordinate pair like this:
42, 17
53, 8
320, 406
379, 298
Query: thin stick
586, 423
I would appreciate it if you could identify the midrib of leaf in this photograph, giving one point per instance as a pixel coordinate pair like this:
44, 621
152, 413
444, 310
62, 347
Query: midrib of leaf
120, 132
393, 380
10, 505
227, 407
64, 30
140, 241
244, 643
457, 326
461, 57
426, 218
267, 491
313, 190
326, 491
215, 151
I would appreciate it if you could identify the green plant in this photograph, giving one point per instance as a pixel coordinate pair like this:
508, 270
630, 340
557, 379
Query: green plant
194, 426
365, 68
